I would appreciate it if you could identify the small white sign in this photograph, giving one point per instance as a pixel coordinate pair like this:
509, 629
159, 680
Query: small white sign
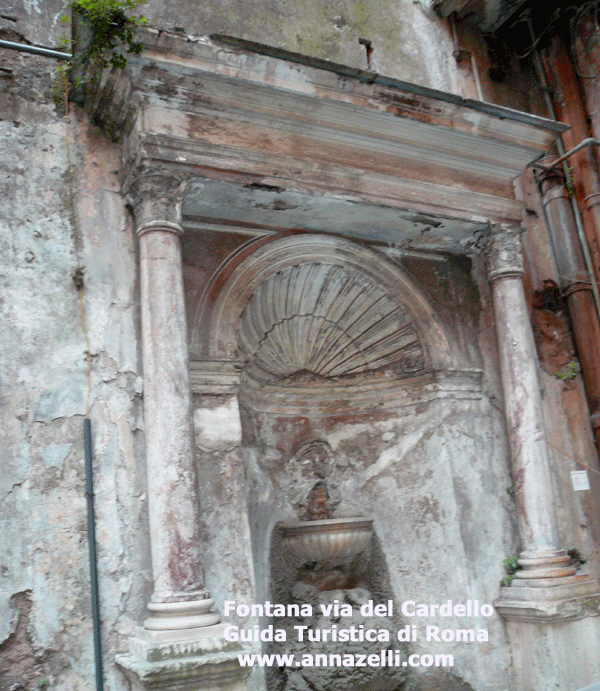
580, 480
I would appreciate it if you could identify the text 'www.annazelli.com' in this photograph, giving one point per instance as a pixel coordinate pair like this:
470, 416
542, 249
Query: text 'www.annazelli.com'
385, 658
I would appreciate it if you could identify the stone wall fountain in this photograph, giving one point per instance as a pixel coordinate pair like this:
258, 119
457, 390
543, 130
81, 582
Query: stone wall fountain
328, 552
327, 566
328, 549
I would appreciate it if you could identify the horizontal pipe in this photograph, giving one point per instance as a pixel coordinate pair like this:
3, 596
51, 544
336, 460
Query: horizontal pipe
36, 50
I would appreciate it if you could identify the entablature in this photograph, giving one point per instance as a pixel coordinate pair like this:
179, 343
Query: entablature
263, 120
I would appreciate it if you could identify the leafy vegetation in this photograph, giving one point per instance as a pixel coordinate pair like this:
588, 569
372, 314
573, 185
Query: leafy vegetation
569, 371
112, 30
511, 564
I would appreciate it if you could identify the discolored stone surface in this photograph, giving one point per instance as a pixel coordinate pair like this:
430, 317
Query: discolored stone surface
431, 468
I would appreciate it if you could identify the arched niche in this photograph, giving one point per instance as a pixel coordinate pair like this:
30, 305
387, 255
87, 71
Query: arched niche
339, 350
346, 297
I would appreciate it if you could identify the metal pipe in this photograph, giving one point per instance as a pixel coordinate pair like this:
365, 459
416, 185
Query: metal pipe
574, 113
575, 285
36, 50
87, 443
541, 75
584, 312
586, 142
459, 53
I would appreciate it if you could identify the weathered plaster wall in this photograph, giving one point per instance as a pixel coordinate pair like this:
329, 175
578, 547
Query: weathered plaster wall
409, 40
36, 21
45, 609
437, 471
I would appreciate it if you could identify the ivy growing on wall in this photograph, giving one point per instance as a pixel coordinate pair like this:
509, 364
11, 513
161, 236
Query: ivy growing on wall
111, 30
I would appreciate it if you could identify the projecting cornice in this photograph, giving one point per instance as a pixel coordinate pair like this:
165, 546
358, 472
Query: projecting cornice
240, 112
488, 15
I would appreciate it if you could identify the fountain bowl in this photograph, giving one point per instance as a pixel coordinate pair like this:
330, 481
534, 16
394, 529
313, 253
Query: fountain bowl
328, 539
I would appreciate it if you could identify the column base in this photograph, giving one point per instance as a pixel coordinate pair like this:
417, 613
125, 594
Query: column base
548, 600
549, 564
198, 659
181, 615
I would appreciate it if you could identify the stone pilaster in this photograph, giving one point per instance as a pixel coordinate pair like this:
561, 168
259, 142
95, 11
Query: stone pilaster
545, 568
181, 643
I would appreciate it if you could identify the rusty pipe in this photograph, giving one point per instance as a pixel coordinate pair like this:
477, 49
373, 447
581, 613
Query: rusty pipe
541, 75
570, 105
575, 285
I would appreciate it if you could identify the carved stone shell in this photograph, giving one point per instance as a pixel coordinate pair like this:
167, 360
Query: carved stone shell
324, 320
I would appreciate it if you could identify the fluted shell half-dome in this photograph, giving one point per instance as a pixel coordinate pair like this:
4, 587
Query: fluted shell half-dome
325, 320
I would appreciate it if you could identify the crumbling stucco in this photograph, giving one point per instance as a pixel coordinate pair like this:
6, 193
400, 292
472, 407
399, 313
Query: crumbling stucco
46, 610
432, 472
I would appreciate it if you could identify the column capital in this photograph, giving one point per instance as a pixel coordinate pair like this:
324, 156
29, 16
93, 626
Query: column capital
156, 196
502, 251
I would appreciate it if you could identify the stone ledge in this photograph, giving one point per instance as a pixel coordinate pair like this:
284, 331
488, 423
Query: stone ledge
558, 603
215, 376
219, 672
199, 659
373, 391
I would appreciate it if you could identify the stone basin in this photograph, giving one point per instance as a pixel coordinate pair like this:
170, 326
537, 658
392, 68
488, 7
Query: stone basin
328, 539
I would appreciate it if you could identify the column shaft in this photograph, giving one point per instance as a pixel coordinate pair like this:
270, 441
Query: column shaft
523, 408
179, 600
172, 479
541, 556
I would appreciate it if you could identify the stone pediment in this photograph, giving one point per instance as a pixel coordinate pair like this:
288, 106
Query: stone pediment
262, 121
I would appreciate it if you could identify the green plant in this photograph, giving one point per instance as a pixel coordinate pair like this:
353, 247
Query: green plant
42, 684
511, 491
569, 182
112, 30
511, 564
569, 371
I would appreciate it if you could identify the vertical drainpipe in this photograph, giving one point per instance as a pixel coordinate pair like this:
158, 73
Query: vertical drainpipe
587, 54
572, 111
89, 490
575, 281
575, 285
587, 60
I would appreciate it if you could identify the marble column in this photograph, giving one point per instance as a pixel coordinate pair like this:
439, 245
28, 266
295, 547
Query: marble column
545, 588
179, 599
181, 644
541, 558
